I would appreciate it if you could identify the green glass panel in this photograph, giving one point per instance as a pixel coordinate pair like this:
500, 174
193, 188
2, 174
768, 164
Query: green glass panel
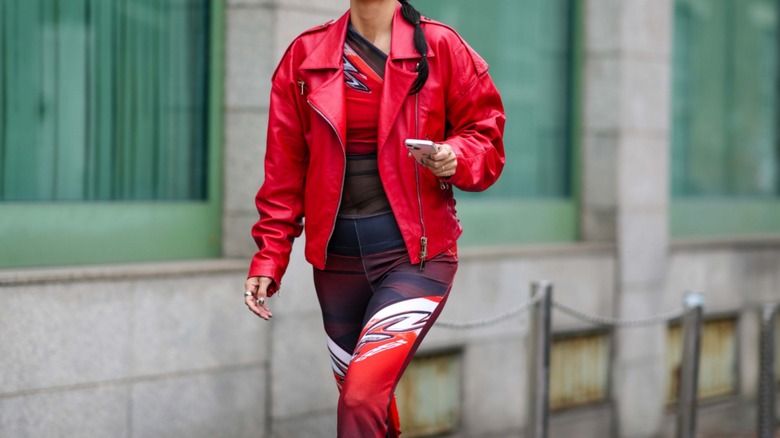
21, 30
724, 140
70, 110
529, 46
103, 99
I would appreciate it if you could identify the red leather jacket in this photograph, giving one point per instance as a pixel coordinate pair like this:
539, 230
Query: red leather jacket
305, 155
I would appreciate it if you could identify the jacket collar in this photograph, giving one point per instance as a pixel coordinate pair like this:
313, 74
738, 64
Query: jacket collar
402, 40
328, 54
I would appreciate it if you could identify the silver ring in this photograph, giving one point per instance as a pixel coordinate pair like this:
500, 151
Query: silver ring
260, 301
248, 293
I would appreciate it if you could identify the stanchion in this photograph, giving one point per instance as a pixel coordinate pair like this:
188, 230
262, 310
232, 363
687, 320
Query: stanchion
539, 354
689, 374
766, 382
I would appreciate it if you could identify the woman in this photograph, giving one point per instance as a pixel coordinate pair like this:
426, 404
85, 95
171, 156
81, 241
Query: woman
380, 226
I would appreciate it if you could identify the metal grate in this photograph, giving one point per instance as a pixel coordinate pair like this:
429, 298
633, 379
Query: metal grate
777, 349
429, 395
579, 366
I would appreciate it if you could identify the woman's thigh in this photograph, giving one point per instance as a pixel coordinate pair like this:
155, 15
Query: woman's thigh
405, 303
343, 292
380, 305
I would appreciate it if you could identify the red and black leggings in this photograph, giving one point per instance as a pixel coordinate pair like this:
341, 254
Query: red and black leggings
376, 308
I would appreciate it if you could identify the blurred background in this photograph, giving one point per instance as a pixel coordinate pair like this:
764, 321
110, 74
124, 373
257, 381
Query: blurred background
642, 162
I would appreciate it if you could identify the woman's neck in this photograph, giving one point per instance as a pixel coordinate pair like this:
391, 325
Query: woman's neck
374, 20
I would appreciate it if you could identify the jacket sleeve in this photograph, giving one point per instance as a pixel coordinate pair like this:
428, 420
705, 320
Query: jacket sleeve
280, 198
476, 116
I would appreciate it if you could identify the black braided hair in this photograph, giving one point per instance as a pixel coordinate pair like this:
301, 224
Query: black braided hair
420, 43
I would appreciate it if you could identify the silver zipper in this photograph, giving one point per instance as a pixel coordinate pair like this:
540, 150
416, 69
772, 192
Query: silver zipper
343, 175
423, 240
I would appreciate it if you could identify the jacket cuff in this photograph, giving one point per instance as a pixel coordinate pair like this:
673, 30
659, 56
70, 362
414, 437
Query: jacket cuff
259, 268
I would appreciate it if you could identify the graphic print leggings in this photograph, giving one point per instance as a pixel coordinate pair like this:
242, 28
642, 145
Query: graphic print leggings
376, 308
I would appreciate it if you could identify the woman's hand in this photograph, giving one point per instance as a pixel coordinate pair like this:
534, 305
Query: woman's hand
443, 163
256, 296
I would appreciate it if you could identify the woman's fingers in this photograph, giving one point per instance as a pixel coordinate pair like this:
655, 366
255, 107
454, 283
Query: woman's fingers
256, 295
443, 163
444, 152
260, 310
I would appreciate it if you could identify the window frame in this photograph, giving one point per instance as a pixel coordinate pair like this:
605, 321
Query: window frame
725, 217
39, 234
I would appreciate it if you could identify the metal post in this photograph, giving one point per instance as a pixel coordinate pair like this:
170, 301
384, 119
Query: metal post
539, 355
766, 382
689, 373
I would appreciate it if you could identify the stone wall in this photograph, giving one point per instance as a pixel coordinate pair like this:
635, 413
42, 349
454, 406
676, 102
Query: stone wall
136, 351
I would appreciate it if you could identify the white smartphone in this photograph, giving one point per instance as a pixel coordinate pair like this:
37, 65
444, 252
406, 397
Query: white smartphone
421, 148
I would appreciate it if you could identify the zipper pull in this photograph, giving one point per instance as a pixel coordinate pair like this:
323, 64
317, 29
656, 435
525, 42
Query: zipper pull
442, 185
423, 251
302, 84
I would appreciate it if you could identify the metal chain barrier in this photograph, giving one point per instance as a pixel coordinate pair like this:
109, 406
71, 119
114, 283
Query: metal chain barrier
462, 325
619, 322
579, 314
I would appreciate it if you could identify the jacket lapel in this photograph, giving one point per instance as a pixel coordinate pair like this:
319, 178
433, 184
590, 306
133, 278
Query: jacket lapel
324, 69
398, 80
328, 99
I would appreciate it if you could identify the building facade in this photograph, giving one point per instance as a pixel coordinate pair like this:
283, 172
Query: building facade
642, 162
